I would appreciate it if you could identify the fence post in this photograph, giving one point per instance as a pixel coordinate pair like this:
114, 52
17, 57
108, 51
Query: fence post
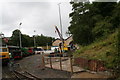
60, 63
43, 61
50, 62
96, 66
71, 64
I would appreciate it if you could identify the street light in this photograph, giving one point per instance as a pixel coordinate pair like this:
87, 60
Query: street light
1, 36
60, 19
61, 26
34, 39
20, 35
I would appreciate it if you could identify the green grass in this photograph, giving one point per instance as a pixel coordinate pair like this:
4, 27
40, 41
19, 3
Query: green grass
103, 50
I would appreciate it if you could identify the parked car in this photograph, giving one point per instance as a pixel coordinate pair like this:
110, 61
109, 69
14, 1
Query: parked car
25, 52
31, 51
38, 50
48, 52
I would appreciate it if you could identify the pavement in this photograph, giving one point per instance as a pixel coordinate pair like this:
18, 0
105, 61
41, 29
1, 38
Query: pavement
78, 72
65, 65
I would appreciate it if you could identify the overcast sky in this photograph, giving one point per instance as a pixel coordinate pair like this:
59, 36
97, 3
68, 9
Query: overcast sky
39, 16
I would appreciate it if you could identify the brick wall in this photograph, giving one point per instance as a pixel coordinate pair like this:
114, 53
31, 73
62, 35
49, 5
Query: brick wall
93, 65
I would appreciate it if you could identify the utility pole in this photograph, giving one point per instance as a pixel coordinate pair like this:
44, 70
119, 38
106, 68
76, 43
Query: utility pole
20, 35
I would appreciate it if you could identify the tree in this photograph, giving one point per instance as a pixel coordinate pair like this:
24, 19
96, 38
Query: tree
81, 27
115, 19
43, 40
92, 21
116, 62
14, 39
28, 41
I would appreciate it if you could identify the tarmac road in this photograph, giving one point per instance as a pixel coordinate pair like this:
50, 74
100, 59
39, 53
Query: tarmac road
33, 64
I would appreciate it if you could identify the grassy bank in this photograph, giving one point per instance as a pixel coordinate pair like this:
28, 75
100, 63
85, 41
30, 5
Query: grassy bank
102, 49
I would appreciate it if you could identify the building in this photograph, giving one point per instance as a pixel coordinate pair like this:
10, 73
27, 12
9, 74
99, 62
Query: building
56, 42
3, 40
67, 41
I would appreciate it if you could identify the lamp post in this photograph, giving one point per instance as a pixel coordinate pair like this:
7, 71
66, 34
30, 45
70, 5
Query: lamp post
20, 35
61, 27
60, 19
34, 39
1, 36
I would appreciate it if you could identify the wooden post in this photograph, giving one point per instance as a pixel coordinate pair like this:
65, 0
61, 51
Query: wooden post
71, 64
50, 62
60, 63
96, 66
60, 58
43, 61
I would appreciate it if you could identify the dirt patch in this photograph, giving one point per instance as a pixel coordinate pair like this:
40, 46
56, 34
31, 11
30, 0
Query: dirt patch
88, 75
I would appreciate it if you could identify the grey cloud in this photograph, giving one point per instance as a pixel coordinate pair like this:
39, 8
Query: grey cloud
41, 16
